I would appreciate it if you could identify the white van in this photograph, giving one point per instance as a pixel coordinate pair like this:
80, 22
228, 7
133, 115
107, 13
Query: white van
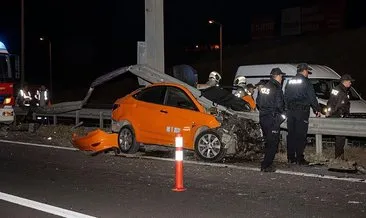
323, 78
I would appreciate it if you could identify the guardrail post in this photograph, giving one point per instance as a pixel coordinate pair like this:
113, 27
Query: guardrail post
319, 143
284, 137
54, 120
77, 117
101, 119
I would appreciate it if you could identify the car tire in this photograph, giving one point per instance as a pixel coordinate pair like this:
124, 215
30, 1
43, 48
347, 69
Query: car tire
208, 146
127, 140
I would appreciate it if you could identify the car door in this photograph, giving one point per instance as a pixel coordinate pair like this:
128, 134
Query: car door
148, 114
182, 116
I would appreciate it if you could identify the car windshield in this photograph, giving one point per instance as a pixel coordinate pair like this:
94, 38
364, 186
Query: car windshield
323, 87
5, 74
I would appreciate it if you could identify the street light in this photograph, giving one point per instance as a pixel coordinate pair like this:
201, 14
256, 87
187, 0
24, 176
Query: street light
215, 22
50, 56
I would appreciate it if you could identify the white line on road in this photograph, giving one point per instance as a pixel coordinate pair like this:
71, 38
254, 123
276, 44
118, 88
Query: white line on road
39, 145
294, 173
41, 206
312, 175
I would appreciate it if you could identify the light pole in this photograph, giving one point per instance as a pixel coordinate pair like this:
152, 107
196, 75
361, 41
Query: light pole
50, 64
22, 59
215, 22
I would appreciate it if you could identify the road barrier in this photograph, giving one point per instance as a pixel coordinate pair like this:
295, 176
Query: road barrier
317, 126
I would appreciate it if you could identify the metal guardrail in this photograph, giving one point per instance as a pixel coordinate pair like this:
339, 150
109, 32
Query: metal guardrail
317, 126
84, 113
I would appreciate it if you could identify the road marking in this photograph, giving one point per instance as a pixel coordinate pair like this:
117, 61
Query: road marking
285, 172
41, 206
40, 145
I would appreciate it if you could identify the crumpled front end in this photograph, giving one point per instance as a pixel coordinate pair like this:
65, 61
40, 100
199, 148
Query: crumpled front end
96, 141
241, 136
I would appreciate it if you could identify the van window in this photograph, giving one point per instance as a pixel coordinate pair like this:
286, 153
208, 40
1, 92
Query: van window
323, 88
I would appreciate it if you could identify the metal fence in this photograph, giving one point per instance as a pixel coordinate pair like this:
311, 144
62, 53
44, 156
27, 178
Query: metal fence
84, 113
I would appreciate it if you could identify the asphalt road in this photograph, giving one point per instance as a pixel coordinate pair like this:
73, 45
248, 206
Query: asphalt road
114, 186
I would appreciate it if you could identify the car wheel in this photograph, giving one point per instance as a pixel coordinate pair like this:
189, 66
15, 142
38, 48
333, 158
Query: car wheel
127, 141
208, 146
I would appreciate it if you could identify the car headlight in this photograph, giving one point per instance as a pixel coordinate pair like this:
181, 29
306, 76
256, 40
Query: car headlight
7, 101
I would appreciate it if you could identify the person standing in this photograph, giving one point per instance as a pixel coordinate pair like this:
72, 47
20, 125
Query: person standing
299, 97
339, 105
270, 103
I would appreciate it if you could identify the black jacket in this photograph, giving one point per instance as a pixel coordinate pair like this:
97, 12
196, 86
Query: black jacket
300, 94
270, 99
338, 104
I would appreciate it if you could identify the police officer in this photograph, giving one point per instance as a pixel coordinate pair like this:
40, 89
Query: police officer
299, 97
270, 104
339, 106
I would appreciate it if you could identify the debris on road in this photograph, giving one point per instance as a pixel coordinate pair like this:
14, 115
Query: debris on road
339, 165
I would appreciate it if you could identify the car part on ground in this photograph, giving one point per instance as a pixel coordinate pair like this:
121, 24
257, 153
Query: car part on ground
96, 141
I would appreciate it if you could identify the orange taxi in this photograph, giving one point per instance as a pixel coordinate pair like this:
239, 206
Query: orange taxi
154, 115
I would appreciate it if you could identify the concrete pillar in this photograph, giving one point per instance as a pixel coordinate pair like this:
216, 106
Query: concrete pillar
154, 34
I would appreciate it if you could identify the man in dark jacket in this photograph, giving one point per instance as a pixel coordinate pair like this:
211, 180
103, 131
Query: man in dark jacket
299, 97
271, 107
339, 106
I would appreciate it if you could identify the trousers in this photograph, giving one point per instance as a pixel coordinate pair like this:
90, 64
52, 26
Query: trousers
270, 125
297, 126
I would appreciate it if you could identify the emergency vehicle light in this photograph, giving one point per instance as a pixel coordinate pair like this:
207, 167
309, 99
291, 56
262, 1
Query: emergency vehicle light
2, 46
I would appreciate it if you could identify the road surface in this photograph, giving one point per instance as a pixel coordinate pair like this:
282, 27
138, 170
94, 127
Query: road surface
55, 180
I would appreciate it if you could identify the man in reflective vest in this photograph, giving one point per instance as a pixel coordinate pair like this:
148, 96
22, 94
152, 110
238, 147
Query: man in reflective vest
24, 97
42, 96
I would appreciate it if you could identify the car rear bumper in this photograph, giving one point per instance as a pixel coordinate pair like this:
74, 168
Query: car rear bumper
96, 141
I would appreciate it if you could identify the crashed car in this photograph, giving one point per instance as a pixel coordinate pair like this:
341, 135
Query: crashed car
157, 113
154, 115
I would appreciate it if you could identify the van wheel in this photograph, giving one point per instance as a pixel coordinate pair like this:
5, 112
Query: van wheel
127, 140
208, 146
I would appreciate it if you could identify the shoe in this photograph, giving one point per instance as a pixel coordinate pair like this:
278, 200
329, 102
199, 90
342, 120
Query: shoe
303, 162
268, 169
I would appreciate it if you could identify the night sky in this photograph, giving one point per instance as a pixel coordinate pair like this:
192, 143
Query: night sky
90, 38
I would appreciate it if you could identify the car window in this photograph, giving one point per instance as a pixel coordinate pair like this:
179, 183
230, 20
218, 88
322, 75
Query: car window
178, 98
154, 94
323, 88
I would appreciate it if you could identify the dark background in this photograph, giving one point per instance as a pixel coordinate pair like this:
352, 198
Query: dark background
90, 38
